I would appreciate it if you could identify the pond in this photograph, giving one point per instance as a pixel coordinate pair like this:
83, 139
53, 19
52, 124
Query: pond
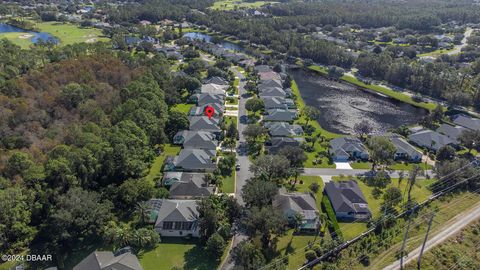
208, 38
33, 36
343, 105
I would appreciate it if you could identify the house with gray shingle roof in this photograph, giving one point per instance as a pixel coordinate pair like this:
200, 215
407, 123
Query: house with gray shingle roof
269, 75
200, 110
294, 203
405, 151
216, 80
277, 143
203, 99
280, 115
263, 68
274, 103
346, 148
204, 123
270, 83
195, 160
171, 177
177, 218
283, 129
453, 132
106, 260
347, 200
214, 89
192, 188
430, 139
196, 139
272, 92
467, 121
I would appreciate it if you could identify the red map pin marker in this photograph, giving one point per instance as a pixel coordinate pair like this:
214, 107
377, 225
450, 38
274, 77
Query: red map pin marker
209, 111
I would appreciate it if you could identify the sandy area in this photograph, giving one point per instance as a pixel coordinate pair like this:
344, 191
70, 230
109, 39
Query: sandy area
25, 36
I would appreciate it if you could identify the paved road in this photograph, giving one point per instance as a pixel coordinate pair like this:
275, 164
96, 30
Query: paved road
452, 228
244, 173
335, 172
458, 48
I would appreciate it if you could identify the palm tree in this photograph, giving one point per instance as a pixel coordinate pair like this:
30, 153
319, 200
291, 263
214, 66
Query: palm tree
324, 222
142, 212
401, 176
298, 220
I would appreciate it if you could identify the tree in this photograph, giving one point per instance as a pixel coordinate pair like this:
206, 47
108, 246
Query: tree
247, 256
254, 105
258, 192
296, 157
225, 164
232, 131
176, 122
412, 179
272, 168
266, 222
311, 113
470, 139
310, 255
297, 219
142, 212
382, 151
445, 152
215, 246
15, 215
254, 132
363, 128
392, 197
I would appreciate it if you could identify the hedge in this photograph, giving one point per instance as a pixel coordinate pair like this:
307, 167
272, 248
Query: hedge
327, 207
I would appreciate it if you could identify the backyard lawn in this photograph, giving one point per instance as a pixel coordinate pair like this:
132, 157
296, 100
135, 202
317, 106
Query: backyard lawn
420, 193
182, 107
70, 33
180, 253
169, 150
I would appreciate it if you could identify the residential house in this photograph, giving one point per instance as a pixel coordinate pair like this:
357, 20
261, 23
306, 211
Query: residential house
177, 218
280, 115
171, 177
191, 189
216, 80
278, 103
106, 260
347, 200
430, 139
195, 160
269, 75
205, 124
214, 89
203, 99
283, 129
273, 92
196, 139
346, 148
295, 203
405, 151
277, 143
467, 121
453, 132
200, 110
263, 68
270, 83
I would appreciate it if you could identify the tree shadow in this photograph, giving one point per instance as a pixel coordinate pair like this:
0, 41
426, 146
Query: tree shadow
197, 258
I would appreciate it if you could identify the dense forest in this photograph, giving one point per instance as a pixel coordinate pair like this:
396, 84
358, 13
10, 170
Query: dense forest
79, 127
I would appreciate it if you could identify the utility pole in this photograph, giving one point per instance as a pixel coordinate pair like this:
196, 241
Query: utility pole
419, 263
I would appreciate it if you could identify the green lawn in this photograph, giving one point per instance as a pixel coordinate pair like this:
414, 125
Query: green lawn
232, 101
230, 119
169, 150
436, 52
70, 33
228, 183
420, 193
181, 253
233, 4
19, 38
396, 166
182, 107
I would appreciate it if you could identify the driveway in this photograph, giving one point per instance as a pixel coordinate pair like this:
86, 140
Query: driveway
343, 165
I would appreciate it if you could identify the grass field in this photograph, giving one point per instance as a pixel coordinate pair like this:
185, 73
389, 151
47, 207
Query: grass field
180, 253
182, 107
396, 166
233, 4
169, 150
17, 38
71, 33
